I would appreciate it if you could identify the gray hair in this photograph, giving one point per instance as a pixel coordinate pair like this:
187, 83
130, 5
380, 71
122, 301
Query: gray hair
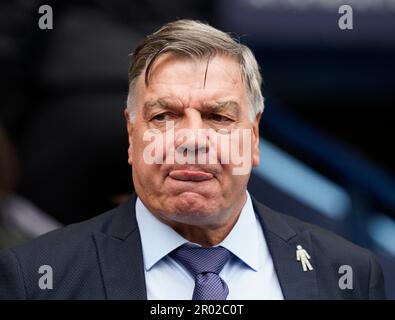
195, 39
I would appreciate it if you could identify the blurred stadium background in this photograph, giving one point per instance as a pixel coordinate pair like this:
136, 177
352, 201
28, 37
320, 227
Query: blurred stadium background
327, 130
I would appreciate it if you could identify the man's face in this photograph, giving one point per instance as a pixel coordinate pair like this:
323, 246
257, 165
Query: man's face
207, 99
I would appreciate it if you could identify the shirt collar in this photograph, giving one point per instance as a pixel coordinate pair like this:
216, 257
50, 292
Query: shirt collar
243, 240
159, 239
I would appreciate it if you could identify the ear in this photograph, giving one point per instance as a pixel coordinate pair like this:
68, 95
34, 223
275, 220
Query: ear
255, 140
129, 126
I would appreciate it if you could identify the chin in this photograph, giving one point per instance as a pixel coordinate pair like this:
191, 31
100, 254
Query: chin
190, 206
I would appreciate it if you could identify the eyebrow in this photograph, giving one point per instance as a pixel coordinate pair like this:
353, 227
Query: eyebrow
208, 107
221, 106
161, 102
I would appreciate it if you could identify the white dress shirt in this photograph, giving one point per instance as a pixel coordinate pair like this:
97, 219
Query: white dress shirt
249, 274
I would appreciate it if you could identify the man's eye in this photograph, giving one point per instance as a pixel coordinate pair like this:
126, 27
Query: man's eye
218, 118
161, 117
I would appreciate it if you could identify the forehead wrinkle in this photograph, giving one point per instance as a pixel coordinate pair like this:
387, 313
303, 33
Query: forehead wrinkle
205, 73
235, 78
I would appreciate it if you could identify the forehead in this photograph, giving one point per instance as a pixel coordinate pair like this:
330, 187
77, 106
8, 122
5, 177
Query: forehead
193, 80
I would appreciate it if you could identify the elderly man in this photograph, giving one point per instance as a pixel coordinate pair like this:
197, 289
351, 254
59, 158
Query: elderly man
191, 231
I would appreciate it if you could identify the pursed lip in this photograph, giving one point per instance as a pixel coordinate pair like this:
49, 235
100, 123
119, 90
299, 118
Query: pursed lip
190, 175
192, 172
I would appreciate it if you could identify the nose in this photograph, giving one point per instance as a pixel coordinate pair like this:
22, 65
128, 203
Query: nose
191, 136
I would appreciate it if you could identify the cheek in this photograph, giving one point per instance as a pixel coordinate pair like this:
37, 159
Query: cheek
226, 146
232, 185
146, 153
137, 151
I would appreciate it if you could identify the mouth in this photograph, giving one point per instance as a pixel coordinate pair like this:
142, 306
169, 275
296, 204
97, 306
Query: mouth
190, 175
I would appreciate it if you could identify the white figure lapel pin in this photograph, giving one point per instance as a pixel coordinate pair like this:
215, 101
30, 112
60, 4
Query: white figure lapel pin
303, 257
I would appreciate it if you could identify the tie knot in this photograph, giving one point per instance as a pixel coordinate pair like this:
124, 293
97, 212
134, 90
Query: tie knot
201, 260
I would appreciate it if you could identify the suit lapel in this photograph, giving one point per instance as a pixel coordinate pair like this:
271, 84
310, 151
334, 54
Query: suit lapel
120, 256
282, 241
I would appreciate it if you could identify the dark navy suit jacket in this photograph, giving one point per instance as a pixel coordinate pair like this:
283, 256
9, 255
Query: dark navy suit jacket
102, 259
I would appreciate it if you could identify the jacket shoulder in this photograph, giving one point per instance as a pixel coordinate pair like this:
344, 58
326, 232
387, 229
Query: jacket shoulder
279, 222
69, 252
332, 253
71, 235
333, 244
